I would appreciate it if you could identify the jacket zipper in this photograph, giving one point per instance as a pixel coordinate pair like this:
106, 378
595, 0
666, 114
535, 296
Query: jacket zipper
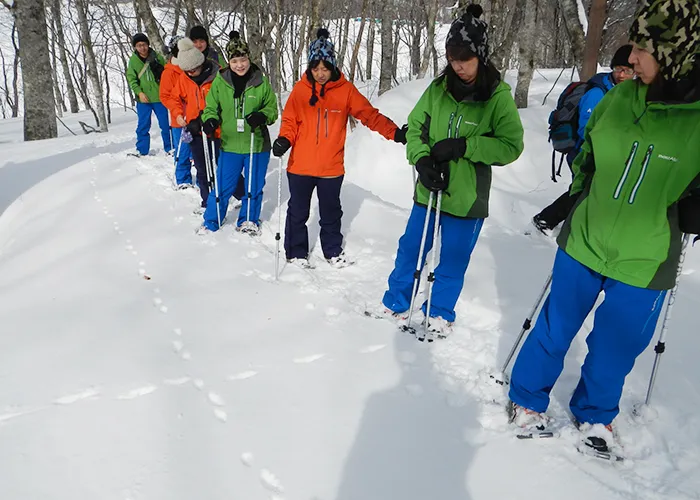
326, 118
628, 165
645, 164
449, 125
459, 124
318, 123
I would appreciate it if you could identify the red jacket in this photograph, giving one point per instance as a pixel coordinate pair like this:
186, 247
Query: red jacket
317, 133
168, 79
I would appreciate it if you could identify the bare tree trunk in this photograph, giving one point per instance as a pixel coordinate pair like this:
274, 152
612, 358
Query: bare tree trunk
92, 71
316, 20
416, 31
303, 36
37, 83
436, 70
143, 10
370, 50
15, 73
596, 22
192, 19
526, 52
176, 16
62, 56
58, 96
358, 41
344, 38
277, 53
431, 8
395, 53
572, 23
254, 29
501, 56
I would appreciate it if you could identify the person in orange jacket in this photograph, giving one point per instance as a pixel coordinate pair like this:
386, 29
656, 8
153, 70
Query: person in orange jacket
314, 124
168, 80
187, 101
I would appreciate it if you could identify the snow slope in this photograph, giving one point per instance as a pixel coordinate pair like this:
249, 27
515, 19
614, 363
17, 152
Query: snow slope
140, 361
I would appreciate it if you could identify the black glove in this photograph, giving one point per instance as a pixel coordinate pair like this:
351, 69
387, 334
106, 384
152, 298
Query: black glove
689, 214
434, 177
195, 127
157, 69
210, 126
280, 146
256, 119
449, 149
400, 134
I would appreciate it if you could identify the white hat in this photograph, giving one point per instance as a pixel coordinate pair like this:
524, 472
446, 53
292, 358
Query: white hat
188, 57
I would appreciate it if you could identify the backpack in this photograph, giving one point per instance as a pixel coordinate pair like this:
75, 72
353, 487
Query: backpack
563, 122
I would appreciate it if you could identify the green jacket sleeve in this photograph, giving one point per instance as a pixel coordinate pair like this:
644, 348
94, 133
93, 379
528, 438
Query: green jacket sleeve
269, 100
418, 135
132, 75
213, 106
584, 163
222, 62
505, 145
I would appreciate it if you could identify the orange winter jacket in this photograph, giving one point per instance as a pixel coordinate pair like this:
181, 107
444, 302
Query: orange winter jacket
168, 80
317, 133
189, 99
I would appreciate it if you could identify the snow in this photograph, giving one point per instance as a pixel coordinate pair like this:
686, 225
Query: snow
141, 361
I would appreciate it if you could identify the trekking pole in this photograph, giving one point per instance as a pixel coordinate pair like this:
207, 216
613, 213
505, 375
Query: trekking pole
416, 275
431, 276
661, 344
502, 378
177, 154
278, 235
212, 170
250, 174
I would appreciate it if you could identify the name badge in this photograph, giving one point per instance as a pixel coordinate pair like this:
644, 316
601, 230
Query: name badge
240, 125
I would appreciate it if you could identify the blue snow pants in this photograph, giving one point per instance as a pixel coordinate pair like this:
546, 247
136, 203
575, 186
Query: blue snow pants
143, 126
229, 170
623, 327
458, 238
183, 164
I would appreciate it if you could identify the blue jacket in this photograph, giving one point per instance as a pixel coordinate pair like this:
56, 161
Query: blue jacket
590, 100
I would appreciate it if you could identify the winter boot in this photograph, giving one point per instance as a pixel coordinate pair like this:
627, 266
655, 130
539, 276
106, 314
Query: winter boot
249, 227
301, 262
526, 418
439, 326
340, 261
380, 311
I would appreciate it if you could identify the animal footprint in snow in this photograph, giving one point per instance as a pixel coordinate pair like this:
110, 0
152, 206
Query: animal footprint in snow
221, 415
216, 399
178, 332
243, 375
199, 383
141, 391
177, 345
176, 381
185, 355
310, 306
372, 348
309, 359
73, 398
247, 459
252, 254
270, 481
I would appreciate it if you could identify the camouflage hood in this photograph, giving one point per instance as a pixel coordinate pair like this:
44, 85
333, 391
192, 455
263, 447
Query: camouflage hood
670, 31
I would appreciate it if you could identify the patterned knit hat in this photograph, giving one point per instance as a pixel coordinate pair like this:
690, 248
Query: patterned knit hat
322, 48
670, 31
469, 31
236, 46
171, 48
188, 56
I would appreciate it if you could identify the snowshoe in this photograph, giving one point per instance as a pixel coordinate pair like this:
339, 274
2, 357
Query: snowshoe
199, 211
250, 228
542, 226
203, 230
599, 441
300, 262
340, 261
439, 327
382, 312
183, 187
530, 423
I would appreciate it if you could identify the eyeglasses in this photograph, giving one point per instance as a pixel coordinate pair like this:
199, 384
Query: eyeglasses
623, 69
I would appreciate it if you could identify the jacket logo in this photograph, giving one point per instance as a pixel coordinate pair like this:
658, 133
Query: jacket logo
470, 123
334, 110
669, 158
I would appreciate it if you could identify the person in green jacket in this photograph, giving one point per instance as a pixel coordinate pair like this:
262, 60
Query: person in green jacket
633, 180
464, 123
241, 101
143, 75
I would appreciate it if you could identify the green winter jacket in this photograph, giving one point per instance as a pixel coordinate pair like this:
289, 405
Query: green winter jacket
494, 136
147, 83
637, 160
257, 96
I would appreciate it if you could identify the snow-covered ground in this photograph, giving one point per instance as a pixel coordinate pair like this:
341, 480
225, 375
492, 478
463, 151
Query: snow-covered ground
139, 361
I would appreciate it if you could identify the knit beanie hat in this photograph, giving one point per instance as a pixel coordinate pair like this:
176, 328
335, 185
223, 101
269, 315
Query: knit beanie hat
171, 48
622, 57
670, 31
322, 48
188, 56
139, 37
236, 46
199, 33
470, 32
